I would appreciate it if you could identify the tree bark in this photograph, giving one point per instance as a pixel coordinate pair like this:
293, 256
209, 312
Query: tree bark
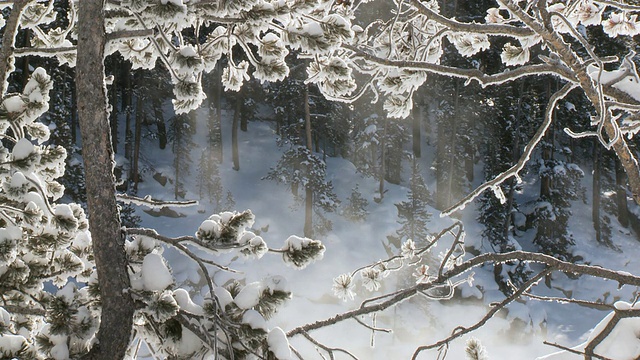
383, 156
416, 118
234, 131
162, 128
595, 192
7, 60
108, 241
135, 172
308, 200
621, 195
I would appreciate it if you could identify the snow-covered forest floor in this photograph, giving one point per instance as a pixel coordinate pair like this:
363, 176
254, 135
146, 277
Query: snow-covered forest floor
518, 334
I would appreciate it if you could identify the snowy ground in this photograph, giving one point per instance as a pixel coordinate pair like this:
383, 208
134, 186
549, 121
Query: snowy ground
350, 245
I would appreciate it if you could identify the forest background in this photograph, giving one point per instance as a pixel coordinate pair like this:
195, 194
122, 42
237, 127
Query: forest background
457, 136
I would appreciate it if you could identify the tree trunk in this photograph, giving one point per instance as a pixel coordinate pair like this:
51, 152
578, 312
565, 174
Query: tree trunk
140, 114
595, 191
234, 131
108, 241
128, 104
308, 200
416, 118
621, 194
159, 116
515, 155
383, 156
73, 114
215, 114
451, 154
440, 160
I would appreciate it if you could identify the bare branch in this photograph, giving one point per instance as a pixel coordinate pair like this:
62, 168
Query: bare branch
129, 34
41, 51
573, 351
526, 154
561, 300
459, 331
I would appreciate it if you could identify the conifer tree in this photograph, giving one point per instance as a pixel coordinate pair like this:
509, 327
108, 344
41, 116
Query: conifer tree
356, 207
412, 213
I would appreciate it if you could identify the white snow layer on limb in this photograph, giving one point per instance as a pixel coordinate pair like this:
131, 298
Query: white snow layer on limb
300, 252
184, 301
156, 276
278, 344
254, 320
22, 150
249, 296
11, 344
623, 343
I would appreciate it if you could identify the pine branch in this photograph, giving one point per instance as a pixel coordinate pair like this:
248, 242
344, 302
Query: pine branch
468, 74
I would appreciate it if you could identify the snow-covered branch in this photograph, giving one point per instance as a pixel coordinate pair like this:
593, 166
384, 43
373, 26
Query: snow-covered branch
515, 169
151, 203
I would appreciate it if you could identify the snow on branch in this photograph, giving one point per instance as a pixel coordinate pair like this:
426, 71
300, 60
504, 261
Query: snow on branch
469, 74
151, 203
450, 275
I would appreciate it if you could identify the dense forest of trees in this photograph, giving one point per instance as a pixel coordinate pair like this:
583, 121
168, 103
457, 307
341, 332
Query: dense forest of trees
432, 116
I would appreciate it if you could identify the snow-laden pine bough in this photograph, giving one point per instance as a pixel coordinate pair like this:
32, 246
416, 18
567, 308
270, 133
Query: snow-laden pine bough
438, 281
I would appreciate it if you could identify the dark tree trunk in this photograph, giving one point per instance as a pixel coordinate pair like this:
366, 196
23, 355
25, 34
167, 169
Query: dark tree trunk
108, 241
161, 126
128, 105
440, 160
451, 154
383, 156
74, 116
140, 114
595, 207
308, 200
177, 160
416, 119
215, 114
621, 194
234, 131
515, 155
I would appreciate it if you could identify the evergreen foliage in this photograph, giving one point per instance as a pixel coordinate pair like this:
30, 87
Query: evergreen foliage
356, 207
413, 214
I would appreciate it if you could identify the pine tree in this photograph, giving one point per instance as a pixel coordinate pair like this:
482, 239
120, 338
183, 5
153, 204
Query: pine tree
355, 210
180, 132
413, 214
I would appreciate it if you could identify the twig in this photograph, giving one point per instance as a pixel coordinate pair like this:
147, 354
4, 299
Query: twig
459, 331
573, 351
329, 350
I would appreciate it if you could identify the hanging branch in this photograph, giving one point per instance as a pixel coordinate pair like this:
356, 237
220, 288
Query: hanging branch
515, 169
